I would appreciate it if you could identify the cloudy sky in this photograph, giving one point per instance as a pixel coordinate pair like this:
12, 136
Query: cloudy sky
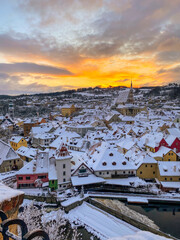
55, 45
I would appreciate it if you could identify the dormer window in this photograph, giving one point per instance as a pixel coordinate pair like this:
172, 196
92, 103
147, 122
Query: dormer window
104, 163
113, 163
111, 154
124, 163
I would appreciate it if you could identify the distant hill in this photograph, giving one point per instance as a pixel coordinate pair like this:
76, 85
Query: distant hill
173, 90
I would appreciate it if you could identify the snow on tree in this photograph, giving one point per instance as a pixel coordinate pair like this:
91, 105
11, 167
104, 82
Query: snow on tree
53, 222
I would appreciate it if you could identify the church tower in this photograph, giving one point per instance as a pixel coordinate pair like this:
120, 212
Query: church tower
131, 95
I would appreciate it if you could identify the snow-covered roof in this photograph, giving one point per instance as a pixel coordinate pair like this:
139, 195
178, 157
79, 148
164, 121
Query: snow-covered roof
126, 143
6, 152
123, 96
7, 193
171, 184
90, 179
16, 139
174, 131
170, 139
169, 168
130, 181
161, 152
27, 152
36, 166
109, 158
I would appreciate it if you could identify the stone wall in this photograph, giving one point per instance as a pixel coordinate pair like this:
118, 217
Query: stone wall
127, 219
10, 200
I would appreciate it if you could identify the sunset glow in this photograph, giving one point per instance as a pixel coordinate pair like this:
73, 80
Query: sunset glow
56, 45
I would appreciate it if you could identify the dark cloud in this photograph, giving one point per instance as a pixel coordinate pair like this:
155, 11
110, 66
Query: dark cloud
4, 75
25, 67
13, 85
38, 47
122, 80
168, 56
170, 70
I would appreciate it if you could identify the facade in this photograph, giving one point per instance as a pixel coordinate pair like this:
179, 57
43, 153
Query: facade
26, 154
147, 169
168, 171
80, 129
42, 140
63, 166
17, 141
27, 127
34, 173
9, 160
68, 110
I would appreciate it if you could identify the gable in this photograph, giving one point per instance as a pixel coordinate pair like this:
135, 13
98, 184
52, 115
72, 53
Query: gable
83, 168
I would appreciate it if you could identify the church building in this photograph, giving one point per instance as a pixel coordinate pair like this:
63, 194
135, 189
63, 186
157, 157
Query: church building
125, 103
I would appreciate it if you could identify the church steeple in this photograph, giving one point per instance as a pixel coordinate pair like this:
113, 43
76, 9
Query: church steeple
131, 97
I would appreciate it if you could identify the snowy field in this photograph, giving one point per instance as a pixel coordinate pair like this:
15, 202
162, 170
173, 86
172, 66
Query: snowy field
100, 223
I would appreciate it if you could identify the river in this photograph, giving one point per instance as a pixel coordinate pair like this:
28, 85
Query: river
167, 217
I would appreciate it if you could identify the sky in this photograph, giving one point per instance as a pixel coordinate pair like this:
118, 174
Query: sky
57, 45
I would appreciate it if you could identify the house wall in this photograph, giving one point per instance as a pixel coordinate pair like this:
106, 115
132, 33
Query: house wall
23, 183
63, 168
147, 171
176, 145
170, 156
21, 143
7, 165
53, 184
27, 128
115, 174
167, 178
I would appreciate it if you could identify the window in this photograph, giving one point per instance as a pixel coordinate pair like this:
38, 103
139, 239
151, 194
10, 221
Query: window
153, 172
165, 178
20, 178
64, 180
28, 178
42, 176
82, 170
64, 165
52, 181
64, 173
171, 178
107, 172
100, 173
151, 166
145, 165
140, 172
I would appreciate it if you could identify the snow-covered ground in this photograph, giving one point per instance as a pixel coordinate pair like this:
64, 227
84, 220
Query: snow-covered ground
100, 223
73, 200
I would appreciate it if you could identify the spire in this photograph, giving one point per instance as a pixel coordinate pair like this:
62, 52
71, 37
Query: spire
131, 83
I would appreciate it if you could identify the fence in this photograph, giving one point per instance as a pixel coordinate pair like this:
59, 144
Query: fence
25, 235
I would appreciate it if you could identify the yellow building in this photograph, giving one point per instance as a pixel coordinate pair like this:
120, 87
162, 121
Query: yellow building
147, 169
165, 154
17, 142
67, 110
168, 171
